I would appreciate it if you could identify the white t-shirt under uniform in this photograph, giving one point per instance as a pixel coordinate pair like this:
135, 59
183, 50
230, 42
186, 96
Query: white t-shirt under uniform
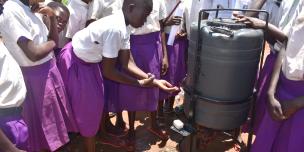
78, 17
16, 21
12, 87
102, 8
293, 63
102, 38
152, 24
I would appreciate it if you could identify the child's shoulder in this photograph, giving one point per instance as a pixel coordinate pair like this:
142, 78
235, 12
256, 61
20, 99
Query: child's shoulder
13, 8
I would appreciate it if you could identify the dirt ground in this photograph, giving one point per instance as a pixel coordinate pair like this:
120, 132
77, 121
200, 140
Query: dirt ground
145, 141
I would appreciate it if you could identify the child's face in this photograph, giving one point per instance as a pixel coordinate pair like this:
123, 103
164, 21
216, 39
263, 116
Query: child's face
139, 16
62, 20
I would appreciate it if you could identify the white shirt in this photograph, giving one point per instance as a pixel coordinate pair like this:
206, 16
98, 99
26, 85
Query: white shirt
102, 8
293, 63
272, 8
286, 16
102, 38
16, 21
78, 17
170, 4
12, 87
152, 25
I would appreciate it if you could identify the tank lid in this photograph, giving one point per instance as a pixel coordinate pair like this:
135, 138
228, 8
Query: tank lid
229, 23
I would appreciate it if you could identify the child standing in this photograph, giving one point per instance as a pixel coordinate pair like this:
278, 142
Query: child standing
62, 15
102, 42
176, 54
283, 20
100, 9
148, 47
13, 92
45, 110
280, 128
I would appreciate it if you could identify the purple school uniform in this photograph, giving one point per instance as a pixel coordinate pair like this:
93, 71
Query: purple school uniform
287, 135
15, 129
85, 90
262, 88
147, 54
46, 109
177, 66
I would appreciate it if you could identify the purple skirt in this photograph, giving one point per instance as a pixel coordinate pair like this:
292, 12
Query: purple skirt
111, 96
84, 84
177, 66
147, 52
46, 110
262, 88
15, 129
282, 136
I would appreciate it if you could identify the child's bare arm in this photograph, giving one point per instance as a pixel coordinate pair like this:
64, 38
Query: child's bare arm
128, 64
273, 34
33, 51
49, 12
275, 107
165, 62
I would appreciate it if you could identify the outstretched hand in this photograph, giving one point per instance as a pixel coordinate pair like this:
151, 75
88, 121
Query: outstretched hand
166, 86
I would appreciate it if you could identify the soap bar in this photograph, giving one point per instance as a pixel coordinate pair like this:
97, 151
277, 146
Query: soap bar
178, 124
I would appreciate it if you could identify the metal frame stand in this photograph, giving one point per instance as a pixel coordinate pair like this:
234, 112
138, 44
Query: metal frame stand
197, 67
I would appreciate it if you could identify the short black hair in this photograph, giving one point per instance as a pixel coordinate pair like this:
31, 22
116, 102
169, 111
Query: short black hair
58, 6
147, 4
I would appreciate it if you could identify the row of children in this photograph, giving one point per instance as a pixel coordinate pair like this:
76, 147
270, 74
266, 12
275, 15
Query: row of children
96, 62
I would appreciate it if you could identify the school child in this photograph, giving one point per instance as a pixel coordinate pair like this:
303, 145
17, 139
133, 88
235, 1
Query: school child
105, 42
283, 20
176, 55
280, 128
45, 109
78, 16
99, 9
13, 130
62, 15
149, 52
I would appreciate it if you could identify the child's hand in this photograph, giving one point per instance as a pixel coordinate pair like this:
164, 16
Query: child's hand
43, 9
165, 65
166, 86
275, 109
148, 82
181, 34
250, 21
175, 20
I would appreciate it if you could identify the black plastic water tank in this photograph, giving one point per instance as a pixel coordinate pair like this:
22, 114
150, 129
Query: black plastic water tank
228, 61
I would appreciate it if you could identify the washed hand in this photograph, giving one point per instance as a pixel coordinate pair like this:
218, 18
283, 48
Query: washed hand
166, 86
